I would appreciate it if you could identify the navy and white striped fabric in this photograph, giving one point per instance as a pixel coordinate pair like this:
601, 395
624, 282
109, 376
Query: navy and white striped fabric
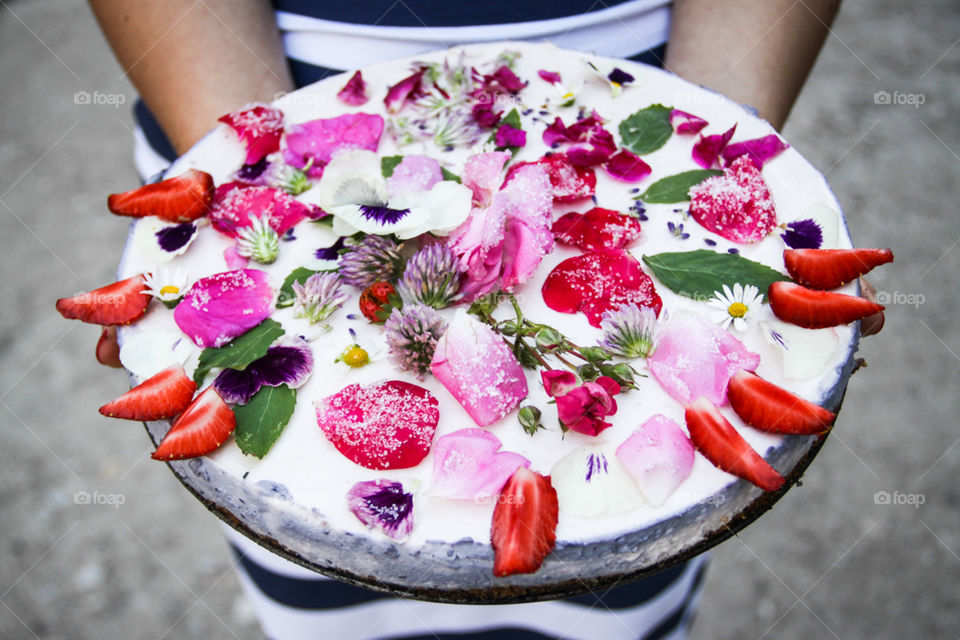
322, 38
293, 603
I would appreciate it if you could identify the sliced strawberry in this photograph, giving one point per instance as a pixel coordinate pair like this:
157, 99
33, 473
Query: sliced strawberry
719, 442
831, 268
180, 199
570, 182
817, 309
161, 396
387, 425
596, 229
377, 301
597, 282
205, 425
118, 303
765, 406
524, 527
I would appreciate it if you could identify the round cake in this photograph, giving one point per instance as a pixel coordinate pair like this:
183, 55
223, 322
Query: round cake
499, 323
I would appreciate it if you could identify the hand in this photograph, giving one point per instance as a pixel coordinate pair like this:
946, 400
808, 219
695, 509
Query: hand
870, 325
108, 350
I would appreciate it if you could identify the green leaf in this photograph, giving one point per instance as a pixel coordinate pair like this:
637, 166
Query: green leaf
698, 274
285, 297
240, 351
449, 175
676, 188
647, 130
388, 164
261, 421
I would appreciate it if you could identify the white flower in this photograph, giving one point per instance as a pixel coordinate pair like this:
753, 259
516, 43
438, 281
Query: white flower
736, 306
615, 77
167, 285
351, 353
354, 191
162, 241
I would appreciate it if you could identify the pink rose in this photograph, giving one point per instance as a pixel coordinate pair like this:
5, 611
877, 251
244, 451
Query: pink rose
582, 408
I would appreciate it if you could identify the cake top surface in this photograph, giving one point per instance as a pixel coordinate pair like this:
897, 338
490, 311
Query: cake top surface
597, 238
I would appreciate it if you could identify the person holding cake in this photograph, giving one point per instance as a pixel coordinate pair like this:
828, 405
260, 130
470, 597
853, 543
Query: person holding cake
193, 62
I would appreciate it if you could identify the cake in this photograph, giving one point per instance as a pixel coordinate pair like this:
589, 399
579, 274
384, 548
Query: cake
492, 288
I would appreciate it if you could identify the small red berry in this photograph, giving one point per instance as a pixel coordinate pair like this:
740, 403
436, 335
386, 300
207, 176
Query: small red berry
376, 301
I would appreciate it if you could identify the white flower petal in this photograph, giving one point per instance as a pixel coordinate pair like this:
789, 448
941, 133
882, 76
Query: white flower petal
149, 352
145, 237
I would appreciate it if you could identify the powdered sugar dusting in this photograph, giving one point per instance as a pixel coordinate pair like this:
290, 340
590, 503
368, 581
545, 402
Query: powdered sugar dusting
736, 205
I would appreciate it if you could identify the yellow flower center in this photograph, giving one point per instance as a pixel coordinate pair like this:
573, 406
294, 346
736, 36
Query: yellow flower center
169, 289
737, 309
355, 356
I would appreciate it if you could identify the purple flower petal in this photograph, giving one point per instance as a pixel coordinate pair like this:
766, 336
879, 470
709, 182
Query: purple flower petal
332, 252
383, 504
706, 152
318, 140
223, 306
619, 76
510, 136
550, 76
354, 92
176, 237
289, 363
236, 386
760, 150
684, 122
382, 215
803, 234
252, 174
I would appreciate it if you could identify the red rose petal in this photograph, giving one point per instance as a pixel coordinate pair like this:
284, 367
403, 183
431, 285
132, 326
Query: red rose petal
760, 150
550, 76
386, 425
570, 183
354, 92
235, 202
706, 152
596, 229
627, 166
736, 205
259, 127
597, 282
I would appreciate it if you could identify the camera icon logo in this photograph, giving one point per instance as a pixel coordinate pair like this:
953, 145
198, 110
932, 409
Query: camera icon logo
882, 97
881, 497
82, 97
81, 497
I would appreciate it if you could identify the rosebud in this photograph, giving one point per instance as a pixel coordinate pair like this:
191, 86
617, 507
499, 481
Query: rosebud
588, 372
549, 339
529, 418
595, 355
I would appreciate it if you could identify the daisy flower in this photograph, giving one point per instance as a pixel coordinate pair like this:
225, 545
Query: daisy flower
735, 307
167, 285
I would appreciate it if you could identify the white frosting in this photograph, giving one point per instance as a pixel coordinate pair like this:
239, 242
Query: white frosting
318, 477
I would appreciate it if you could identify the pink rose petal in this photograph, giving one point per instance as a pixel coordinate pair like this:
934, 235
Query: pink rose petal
509, 136
596, 229
684, 122
468, 465
414, 174
584, 408
659, 456
233, 258
736, 205
483, 174
478, 369
259, 127
760, 150
558, 382
354, 92
694, 357
218, 308
706, 152
318, 140
550, 76
406, 89
235, 202
627, 166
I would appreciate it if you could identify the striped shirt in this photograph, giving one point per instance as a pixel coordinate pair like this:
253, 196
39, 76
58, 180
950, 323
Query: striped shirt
321, 38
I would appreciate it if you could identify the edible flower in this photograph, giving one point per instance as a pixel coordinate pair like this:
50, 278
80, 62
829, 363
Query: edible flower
318, 297
802, 234
469, 465
735, 306
354, 93
372, 259
259, 127
412, 334
591, 482
258, 241
354, 191
218, 308
162, 241
167, 285
384, 505
311, 145
289, 362
581, 407
630, 331
659, 456
431, 276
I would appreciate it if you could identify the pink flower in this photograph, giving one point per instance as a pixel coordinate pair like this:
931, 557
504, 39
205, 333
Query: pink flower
259, 128
706, 152
509, 136
684, 122
407, 89
694, 357
627, 166
235, 202
659, 456
223, 306
550, 76
582, 408
759, 149
468, 465
478, 369
508, 232
354, 92
318, 140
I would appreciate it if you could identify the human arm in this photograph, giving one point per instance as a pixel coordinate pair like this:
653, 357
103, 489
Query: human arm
192, 62
758, 52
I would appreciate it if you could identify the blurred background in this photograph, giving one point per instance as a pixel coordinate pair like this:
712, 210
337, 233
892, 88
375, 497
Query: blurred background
867, 547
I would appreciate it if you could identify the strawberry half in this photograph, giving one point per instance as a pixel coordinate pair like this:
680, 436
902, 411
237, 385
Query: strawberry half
524, 527
161, 396
817, 309
181, 199
200, 429
765, 406
831, 268
118, 303
719, 442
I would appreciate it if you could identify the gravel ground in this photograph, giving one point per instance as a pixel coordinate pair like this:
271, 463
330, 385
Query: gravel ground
867, 547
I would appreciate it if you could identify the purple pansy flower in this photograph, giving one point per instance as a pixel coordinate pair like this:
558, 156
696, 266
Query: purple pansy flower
383, 504
289, 362
803, 234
